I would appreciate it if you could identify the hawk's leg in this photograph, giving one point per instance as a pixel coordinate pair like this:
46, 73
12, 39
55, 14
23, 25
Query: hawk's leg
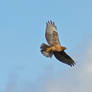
49, 49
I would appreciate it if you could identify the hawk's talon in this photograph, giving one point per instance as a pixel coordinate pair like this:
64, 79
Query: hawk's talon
48, 49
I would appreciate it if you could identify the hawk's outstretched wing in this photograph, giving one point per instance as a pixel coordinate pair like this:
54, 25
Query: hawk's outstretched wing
63, 57
51, 33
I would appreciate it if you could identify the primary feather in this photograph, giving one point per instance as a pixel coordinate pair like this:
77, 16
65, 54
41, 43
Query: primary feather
51, 33
65, 58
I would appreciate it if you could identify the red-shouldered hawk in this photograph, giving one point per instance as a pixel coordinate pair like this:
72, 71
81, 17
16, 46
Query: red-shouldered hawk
54, 47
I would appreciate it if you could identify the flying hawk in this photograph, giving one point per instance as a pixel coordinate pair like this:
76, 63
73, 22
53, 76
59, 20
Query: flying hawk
54, 47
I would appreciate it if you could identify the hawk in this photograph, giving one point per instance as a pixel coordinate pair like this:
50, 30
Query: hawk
54, 47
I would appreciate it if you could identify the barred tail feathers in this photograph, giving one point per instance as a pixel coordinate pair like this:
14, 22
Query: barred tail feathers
43, 50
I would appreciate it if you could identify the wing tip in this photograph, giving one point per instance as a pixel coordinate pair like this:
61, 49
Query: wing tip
64, 58
51, 22
72, 64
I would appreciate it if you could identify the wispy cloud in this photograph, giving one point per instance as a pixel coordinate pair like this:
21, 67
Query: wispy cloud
77, 79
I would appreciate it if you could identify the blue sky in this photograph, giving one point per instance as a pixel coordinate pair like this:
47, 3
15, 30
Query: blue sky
22, 29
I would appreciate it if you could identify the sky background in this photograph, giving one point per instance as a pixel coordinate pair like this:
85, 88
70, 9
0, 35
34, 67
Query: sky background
22, 30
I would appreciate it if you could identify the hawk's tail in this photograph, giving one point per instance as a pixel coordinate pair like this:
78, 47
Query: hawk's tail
44, 52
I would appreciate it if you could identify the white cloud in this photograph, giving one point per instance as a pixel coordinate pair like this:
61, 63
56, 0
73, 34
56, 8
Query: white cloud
77, 79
